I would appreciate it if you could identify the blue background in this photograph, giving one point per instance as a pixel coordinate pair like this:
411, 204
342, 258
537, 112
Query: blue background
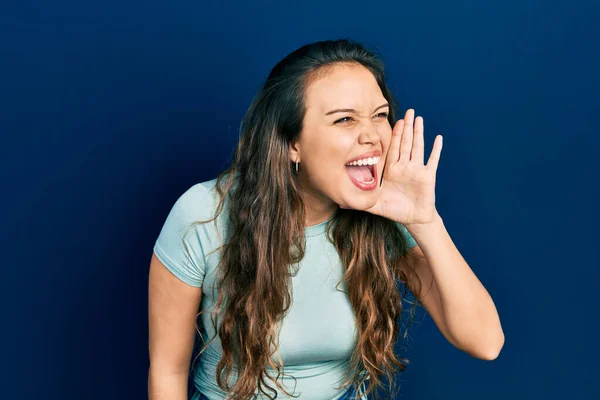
111, 110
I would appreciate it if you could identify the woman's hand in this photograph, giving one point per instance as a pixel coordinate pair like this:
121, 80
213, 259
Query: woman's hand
407, 193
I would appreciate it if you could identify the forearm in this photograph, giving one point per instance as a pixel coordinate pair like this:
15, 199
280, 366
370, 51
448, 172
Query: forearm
468, 309
164, 386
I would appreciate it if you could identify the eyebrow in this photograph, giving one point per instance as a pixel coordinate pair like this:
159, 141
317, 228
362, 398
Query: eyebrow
352, 110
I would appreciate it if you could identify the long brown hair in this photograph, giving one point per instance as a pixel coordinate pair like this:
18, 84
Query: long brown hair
265, 237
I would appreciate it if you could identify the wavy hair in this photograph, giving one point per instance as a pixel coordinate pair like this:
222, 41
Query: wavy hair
265, 237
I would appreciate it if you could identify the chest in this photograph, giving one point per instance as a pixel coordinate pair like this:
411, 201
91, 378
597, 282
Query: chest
320, 324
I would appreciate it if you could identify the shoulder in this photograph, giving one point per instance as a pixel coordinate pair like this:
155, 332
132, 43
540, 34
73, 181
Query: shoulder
198, 201
196, 204
201, 191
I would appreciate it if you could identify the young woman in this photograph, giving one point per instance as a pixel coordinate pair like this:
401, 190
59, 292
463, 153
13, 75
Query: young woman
326, 211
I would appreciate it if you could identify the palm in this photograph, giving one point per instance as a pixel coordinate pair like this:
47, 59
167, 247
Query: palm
407, 193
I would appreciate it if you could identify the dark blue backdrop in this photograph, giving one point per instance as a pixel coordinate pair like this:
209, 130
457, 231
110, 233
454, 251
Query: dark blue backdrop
111, 110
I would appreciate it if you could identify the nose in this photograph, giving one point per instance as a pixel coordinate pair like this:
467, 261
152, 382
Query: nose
369, 135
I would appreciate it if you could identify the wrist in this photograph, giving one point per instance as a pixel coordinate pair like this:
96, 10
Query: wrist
435, 221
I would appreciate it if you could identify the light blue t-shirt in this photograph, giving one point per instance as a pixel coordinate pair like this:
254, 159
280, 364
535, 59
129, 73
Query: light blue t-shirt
318, 334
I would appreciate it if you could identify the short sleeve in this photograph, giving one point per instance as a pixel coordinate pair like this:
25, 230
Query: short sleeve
178, 245
410, 241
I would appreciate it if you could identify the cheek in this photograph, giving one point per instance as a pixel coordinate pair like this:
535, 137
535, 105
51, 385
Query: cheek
323, 157
386, 138
329, 155
327, 167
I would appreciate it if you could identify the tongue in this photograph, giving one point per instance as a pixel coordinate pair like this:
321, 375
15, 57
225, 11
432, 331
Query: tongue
361, 173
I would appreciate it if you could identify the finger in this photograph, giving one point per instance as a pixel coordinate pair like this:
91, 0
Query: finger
407, 136
393, 153
418, 151
434, 157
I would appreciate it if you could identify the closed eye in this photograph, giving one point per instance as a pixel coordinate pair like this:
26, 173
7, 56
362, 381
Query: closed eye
383, 114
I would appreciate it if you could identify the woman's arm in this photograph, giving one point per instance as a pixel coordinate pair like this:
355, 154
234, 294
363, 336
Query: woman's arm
172, 309
458, 302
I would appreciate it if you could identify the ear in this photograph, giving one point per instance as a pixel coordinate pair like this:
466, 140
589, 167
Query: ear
294, 152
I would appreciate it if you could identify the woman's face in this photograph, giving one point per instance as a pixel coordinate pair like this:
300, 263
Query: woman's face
330, 140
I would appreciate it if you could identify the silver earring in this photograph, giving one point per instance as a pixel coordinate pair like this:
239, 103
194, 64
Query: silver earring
296, 167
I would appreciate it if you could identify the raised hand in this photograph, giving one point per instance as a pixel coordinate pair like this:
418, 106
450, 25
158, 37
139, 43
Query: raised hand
407, 193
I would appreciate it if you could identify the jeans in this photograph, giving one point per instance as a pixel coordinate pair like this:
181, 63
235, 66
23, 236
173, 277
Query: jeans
350, 393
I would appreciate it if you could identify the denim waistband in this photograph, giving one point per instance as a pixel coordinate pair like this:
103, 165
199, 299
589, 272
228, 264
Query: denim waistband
350, 393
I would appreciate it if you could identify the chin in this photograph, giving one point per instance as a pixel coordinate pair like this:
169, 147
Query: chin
361, 202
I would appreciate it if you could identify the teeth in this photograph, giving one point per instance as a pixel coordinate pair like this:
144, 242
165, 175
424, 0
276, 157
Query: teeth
365, 161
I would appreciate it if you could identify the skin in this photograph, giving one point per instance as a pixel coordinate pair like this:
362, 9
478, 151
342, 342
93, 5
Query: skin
172, 309
325, 146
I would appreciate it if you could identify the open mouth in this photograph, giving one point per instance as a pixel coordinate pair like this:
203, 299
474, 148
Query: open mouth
363, 174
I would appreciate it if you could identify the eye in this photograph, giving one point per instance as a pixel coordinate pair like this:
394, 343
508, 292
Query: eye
341, 120
383, 114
